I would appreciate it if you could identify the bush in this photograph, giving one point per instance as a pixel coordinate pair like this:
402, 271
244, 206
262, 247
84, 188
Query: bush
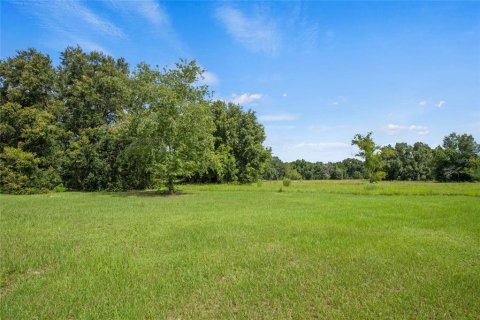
379, 176
16, 170
60, 188
286, 182
20, 173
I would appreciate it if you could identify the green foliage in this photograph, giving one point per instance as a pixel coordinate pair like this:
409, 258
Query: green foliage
17, 168
275, 169
379, 176
93, 124
406, 162
239, 154
20, 173
286, 182
458, 159
59, 188
367, 152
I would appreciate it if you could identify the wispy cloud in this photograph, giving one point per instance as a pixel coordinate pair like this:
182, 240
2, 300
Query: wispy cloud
259, 31
72, 17
422, 103
152, 18
152, 11
245, 98
394, 129
72, 23
148, 10
324, 146
440, 103
252, 30
278, 117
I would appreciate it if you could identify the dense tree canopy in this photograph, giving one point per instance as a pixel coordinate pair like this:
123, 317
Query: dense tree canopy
94, 123
458, 160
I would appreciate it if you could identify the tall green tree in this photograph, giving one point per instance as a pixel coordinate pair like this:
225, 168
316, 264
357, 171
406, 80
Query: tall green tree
174, 128
372, 160
239, 151
30, 126
94, 88
96, 95
457, 159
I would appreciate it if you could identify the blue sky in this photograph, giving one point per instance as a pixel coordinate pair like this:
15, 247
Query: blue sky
315, 73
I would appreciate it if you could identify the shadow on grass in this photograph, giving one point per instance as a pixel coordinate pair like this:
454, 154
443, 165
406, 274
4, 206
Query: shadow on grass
149, 193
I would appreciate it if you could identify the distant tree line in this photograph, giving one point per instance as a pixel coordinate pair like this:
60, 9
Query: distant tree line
457, 159
93, 123
300, 169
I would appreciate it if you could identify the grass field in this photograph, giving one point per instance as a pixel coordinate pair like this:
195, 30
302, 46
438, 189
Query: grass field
345, 250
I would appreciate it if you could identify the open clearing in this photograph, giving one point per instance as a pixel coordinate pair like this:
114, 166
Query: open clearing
327, 249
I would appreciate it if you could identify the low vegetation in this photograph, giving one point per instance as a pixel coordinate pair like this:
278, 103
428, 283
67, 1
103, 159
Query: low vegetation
319, 249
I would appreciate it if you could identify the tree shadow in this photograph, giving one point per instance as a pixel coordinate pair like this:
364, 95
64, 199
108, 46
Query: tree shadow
150, 193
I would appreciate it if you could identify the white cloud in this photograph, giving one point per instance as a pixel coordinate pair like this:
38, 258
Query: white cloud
416, 128
284, 94
277, 117
392, 126
253, 31
323, 146
422, 103
394, 129
209, 78
245, 98
440, 103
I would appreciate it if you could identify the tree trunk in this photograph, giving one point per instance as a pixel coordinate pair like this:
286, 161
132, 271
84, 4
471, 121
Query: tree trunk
170, 186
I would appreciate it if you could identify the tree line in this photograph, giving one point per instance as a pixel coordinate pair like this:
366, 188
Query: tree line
457, 159
93, 123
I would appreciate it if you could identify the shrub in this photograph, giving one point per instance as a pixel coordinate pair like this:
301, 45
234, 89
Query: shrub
20, 173
286, 182
60, 188
379, 176
16, 170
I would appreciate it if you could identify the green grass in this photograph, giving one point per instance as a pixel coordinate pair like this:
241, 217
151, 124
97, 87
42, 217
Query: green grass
316, 250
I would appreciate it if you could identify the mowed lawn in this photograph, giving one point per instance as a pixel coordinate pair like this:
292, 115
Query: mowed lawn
343, 250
